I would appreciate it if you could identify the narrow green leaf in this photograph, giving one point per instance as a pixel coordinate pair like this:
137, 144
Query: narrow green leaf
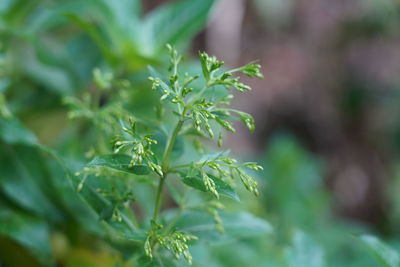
119, 162
214, 155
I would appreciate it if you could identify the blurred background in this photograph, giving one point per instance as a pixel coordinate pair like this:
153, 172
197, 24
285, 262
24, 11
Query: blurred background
332, 82
327, 113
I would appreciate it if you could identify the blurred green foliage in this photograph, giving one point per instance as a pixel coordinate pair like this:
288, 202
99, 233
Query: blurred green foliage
48, 50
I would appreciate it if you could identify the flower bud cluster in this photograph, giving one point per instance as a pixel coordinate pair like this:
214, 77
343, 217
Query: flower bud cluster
176, 242
225, 167
139, 147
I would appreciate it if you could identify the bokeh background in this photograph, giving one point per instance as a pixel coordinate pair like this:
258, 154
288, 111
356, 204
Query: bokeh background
327, 113
332, 82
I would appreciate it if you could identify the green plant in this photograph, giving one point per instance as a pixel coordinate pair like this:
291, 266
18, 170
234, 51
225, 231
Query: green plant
140, 198
148, 148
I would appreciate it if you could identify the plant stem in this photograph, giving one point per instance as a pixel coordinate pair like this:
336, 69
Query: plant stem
164, 166
170, 145
157, 204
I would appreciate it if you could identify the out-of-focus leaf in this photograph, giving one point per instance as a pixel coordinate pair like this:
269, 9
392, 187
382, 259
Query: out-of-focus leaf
125, 230
43, 186
385, 255
236, 225
69, 200
4, 84
89, 258
28, 231
23, 181
125, 12
119, 162
304, 252
55, 78
295, 191
196, 181
12, 131
175, 22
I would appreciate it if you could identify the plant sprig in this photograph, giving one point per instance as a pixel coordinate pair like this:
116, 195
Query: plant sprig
199, 109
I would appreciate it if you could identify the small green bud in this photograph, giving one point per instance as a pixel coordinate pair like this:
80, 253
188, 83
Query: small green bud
252, 70
210, 185
188, 257
101, 79
213, 165
248, 120
241, 87
249, 183
209, 130
220, 140
228, 160
186, 91
253, 166
225, 124
81, 183
156, 168
156, 82
164, 96
147, 248
173, 78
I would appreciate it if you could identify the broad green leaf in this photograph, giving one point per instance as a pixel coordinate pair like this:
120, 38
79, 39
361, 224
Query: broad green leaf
175, 22
385, 255
222, 187
237, 225
304, 252
12, 131
119, 162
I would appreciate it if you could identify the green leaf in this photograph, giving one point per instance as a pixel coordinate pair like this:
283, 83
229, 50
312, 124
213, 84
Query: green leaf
119, 162
125, 230
214, 155
304, 252
30, 232
196, 181
24, 181
385, 255
12, 131
175, 22
237, 225
118, 231
163, 85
